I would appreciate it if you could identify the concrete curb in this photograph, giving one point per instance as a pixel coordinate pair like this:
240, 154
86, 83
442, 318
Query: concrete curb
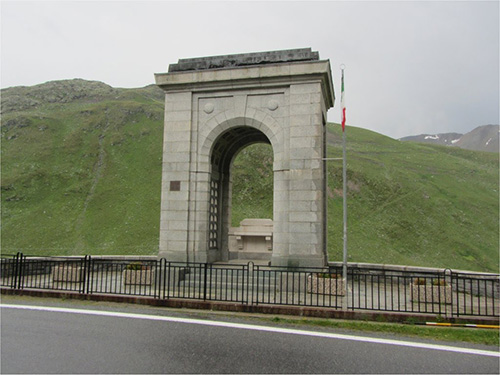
301, 311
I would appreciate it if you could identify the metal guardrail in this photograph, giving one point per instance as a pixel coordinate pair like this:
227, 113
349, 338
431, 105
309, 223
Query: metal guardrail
446, 293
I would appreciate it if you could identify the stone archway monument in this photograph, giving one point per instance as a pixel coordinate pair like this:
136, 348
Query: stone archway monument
216, 106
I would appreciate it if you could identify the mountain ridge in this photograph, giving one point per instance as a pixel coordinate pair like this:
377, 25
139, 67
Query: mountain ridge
67, 91
482, 138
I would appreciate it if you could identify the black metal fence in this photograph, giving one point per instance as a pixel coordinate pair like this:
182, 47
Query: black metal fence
446, 293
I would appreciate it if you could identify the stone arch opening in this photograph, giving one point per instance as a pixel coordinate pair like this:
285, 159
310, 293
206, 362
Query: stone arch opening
252, 183
223, 153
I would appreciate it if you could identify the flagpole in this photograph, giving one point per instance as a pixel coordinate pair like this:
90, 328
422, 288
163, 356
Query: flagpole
344, 181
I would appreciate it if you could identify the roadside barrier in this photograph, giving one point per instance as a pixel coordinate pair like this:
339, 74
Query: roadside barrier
447, 293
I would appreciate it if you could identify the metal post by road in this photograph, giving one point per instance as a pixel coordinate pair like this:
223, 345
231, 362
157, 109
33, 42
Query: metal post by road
344, 181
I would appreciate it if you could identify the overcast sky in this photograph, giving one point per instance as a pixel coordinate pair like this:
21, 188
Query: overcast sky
411, 67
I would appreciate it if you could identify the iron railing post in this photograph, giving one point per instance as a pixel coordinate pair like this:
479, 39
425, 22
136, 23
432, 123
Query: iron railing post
89, 273
168, 273
447, 281
256, 302
20, 265
15, 271
161, 278
205, 282
83, 267
249, 297
157, 281
83, 275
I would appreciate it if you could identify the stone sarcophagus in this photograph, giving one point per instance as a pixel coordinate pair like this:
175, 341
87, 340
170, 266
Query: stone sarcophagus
252, 240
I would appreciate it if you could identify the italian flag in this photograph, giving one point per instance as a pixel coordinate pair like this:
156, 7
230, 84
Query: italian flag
342, 102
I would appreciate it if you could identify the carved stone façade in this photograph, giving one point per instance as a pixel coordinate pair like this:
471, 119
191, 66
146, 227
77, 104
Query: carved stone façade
215, 107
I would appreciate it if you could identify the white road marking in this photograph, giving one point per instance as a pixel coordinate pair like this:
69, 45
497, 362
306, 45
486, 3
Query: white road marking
258, 328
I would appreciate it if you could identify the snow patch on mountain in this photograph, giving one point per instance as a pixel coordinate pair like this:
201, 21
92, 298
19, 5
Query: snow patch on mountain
432, 137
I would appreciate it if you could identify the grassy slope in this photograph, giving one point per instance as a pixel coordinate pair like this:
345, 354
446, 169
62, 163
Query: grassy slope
416, 204
84, 177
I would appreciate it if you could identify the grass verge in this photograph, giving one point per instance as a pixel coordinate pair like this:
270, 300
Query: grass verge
455, 334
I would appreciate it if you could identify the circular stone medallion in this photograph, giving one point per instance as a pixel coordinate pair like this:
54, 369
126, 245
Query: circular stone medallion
272, 104
209, 108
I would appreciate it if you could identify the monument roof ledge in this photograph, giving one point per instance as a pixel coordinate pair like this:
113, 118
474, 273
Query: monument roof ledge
244, 59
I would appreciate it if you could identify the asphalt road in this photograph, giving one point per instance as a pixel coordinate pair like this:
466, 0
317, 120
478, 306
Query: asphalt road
91, 341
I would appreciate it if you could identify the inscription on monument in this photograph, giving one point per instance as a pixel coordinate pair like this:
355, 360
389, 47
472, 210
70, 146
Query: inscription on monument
175, 186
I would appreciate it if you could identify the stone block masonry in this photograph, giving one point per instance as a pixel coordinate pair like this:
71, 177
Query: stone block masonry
215, 107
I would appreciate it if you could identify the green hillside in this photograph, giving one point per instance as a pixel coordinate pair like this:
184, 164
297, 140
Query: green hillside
416, 204
81, 174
